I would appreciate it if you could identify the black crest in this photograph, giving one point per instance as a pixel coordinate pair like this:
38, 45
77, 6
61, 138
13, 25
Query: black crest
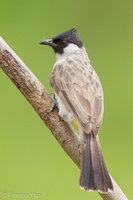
70, 36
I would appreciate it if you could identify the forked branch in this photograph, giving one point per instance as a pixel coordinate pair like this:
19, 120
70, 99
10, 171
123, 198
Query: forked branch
40, 100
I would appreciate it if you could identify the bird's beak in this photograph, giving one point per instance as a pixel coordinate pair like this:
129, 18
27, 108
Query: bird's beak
47, 42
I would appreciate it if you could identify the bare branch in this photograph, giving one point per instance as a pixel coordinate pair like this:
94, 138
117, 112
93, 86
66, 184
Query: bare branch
40, 100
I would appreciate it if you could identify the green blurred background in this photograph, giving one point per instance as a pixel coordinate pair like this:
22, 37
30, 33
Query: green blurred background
31, 161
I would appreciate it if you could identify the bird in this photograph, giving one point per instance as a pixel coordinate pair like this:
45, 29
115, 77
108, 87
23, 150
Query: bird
79, 95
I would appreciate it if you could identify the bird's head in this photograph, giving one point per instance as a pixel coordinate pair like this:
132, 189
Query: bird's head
66, 41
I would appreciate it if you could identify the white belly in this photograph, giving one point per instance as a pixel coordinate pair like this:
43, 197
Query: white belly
63, 111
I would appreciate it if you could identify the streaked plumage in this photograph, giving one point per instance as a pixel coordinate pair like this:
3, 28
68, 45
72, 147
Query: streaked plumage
79, 95
80, 85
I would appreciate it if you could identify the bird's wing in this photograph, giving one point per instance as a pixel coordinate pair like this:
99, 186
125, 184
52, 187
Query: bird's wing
80, 90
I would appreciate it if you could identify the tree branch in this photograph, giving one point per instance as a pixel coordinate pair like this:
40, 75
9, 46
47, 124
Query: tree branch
40, 100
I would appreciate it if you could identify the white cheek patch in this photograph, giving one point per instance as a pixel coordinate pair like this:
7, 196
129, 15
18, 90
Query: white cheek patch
69, 50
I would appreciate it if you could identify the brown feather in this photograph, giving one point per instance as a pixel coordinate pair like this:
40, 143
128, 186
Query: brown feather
82, 88
77, 85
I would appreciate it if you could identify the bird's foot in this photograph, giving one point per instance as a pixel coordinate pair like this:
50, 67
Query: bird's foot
54, 103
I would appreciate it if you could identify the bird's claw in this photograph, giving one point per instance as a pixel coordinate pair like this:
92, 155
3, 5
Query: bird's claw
54, 103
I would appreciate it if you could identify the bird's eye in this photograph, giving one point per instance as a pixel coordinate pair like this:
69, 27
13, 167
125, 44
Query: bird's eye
63, 43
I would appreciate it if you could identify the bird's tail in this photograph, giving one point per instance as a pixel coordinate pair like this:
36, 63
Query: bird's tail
94, 174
